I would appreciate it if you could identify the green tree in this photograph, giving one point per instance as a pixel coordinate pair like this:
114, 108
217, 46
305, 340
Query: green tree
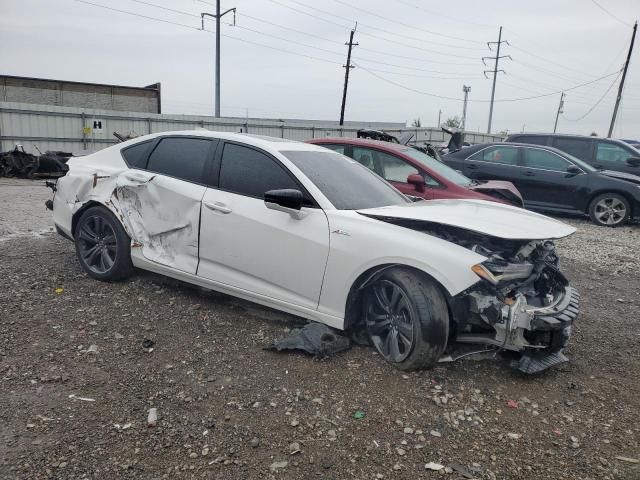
453, 122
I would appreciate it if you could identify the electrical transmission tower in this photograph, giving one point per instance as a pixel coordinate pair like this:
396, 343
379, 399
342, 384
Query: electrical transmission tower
347, 68
494, 71
218, 16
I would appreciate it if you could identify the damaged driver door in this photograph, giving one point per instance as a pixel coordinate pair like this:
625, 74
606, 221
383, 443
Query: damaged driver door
161, 200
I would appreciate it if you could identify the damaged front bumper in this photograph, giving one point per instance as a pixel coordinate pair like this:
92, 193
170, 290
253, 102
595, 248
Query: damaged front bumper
538, 333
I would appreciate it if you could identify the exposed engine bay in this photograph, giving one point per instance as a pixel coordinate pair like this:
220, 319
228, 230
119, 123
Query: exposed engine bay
523, 304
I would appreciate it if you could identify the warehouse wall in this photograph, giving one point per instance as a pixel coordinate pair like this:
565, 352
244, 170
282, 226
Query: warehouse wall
83, 131
82, 95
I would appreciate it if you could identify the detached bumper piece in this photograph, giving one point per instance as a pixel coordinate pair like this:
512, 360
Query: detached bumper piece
554, 329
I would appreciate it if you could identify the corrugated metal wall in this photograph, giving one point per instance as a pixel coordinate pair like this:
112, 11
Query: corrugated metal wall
72, 129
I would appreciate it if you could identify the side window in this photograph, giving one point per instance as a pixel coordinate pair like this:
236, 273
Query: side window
136, 155
364, 156
610, 152
536, 158
497, 154
248, 172
580, 148
335, 148
183, 158
394, 168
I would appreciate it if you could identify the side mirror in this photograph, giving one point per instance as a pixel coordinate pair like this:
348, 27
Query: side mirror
633, 161
574, 170
285, 200
417, 181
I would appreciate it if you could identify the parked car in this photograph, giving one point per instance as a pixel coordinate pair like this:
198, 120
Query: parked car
601, 153
415, 173
303, 229
554, 181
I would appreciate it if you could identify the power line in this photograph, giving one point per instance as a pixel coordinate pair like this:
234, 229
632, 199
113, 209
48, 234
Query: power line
455, 19
610, 14
595, 104
245, 15
436, 52
208, 31
420, 29
504, 100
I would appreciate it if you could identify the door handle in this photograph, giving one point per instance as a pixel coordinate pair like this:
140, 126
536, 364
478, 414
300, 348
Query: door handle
218, 207
530, 174
472, 166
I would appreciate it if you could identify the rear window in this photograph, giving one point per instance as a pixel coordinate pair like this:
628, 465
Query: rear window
182, 158
136, 155
346, 184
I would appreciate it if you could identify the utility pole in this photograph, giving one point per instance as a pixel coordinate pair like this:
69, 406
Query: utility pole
494, 71
218, 16
439, 115
466, 91
624, 75
560, 105
347, 68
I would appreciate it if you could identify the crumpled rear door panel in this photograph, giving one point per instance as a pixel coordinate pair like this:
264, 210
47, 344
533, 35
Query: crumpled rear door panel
163, 217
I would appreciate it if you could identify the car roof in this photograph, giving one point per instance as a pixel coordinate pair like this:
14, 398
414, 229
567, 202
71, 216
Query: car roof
513, 144
363, 142
263, 141
566, 135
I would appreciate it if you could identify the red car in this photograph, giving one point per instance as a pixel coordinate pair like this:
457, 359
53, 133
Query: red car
416, 173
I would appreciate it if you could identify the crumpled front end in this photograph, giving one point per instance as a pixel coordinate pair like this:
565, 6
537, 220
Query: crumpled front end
523, 304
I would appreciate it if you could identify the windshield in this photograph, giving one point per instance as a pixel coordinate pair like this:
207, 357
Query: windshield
438, 167
346, 184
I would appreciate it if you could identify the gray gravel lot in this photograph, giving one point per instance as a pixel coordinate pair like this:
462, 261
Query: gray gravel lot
77, 382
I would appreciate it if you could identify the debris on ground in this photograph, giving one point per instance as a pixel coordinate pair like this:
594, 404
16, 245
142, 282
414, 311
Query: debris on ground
19, 163
152, 417
434, 466
73, 396
316, 339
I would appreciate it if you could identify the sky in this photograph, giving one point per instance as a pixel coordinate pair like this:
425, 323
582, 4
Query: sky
284, 58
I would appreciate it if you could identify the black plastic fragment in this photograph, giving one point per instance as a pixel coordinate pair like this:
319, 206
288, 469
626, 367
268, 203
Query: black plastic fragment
314, 338
536, 362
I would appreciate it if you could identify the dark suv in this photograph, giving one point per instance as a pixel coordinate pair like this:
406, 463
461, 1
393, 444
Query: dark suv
603, 153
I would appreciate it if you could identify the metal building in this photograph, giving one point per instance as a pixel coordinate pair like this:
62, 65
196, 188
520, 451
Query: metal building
62, 93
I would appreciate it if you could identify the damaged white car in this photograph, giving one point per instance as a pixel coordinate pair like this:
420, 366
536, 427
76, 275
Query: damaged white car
311, 232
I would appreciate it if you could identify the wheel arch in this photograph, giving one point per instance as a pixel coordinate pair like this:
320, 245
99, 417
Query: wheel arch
89, 204
354, 297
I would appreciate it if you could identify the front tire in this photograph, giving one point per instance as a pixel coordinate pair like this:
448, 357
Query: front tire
407, 318
103, 247
609, 210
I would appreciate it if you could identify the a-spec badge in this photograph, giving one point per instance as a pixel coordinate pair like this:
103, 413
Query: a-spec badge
341, 232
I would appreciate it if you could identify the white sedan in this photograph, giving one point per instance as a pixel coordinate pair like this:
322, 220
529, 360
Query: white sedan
311, 232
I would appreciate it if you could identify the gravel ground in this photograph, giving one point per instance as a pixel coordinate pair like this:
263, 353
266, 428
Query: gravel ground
77, 383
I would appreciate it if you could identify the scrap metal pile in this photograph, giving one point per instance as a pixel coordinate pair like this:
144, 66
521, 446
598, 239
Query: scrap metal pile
19, 163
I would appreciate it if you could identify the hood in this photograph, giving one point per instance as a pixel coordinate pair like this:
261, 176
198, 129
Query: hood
630, 177
488, 218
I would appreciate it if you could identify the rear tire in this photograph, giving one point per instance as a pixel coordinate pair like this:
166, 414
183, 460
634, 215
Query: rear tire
103, 247
609, 210
407, 318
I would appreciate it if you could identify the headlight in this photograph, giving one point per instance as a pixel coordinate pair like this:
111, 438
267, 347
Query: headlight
496, 272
